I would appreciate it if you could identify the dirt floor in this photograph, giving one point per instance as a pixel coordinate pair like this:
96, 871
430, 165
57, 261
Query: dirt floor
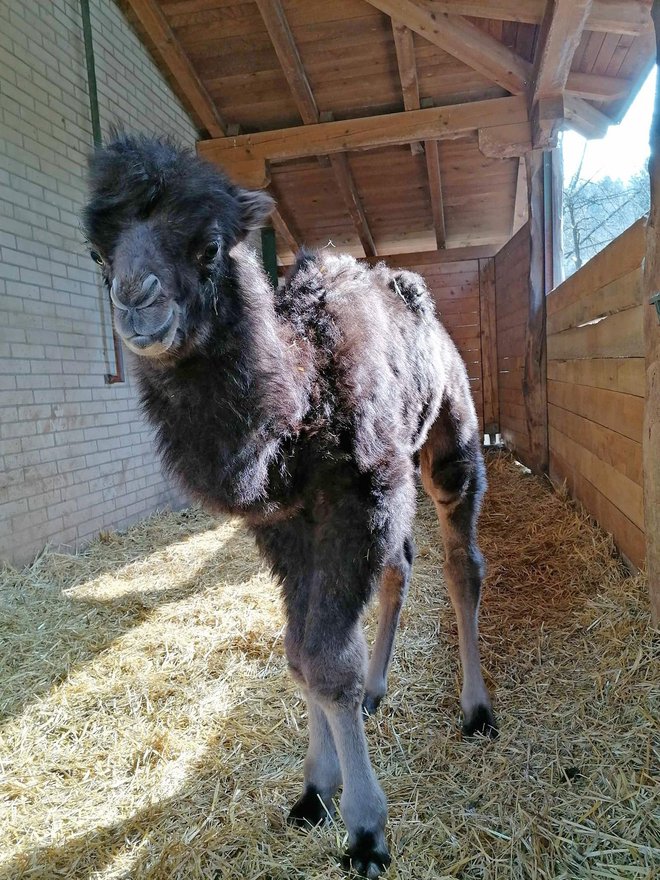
150, 730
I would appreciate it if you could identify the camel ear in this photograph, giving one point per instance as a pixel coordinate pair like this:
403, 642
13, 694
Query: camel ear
255, 207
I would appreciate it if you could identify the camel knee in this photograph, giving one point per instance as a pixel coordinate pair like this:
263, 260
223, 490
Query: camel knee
336, 674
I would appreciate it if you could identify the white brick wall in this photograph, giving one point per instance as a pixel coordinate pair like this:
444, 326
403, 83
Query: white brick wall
75, 453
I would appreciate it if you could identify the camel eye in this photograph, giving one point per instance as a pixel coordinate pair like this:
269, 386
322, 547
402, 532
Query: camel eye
96, 256
210, 252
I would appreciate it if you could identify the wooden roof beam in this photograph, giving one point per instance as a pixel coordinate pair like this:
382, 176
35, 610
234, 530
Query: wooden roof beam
348, 189
462, 39
173, 56
289, 58
405, 59
484, 53
405, 56
560, 34
249, 152
435, 189
585, 118
629, 17
295, 75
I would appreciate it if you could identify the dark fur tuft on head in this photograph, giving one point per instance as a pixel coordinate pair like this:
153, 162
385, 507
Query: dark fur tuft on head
135, 175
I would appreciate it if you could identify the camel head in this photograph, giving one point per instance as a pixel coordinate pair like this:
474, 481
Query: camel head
161, 223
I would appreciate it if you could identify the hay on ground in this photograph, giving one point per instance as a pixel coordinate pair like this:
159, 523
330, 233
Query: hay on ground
150, 729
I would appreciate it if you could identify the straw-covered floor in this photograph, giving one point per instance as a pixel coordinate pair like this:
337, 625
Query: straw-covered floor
150, 729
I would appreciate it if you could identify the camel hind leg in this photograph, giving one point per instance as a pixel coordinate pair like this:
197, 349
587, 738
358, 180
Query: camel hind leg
453, 475
393, 591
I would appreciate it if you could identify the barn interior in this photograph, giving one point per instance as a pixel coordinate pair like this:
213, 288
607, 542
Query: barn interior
148, 727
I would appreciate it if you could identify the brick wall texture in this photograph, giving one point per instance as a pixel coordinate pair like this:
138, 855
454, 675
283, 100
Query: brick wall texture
76, 456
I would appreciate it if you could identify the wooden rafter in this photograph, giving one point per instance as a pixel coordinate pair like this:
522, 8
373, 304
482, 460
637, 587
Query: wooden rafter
348, 189
560, 34
283, 225
479, 50
289, 58
435, 189
607, 16
294, 72
430, 258
462, 39
594, 87
452, 121
405, 56
155, 25
585, 118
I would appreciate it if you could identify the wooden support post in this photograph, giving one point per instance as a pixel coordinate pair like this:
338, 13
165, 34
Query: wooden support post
534, 370
489, 376
651, 435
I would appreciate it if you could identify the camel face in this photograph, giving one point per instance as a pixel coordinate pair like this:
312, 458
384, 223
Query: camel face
160, 223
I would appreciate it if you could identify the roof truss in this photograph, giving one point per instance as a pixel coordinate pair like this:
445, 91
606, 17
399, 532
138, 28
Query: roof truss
294, 73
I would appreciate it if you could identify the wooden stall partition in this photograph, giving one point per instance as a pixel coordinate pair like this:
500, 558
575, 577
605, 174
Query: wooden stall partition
455, 289
595, 350
512, 271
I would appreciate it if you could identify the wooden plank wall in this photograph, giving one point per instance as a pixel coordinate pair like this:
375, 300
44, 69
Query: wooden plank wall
455, 289
511, 314
596, 388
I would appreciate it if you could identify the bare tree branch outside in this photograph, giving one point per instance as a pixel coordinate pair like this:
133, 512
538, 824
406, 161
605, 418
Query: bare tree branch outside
596, 211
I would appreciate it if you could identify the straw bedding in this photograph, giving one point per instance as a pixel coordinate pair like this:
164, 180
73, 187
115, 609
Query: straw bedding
150, 729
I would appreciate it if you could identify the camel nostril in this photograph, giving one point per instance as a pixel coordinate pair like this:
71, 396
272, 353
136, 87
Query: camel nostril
150, 288
114, 290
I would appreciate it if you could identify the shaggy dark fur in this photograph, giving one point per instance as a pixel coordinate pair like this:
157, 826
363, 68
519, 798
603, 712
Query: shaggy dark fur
302, 410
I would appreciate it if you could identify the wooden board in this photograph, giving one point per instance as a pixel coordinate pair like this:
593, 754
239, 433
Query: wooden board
624, 493
620, 412
615, 336
617, 450
511, 310
619, 258
628, 537
617, 296
625, 375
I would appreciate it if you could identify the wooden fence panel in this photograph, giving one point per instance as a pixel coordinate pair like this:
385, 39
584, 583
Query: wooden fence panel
596, 388
511, 315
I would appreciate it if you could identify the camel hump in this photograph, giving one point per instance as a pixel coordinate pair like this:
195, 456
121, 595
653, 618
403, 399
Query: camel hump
412, 290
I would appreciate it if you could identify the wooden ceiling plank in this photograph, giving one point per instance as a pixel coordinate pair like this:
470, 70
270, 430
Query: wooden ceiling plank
463, 40
178, 64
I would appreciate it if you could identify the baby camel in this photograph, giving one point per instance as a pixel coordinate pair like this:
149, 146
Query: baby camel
304, 410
